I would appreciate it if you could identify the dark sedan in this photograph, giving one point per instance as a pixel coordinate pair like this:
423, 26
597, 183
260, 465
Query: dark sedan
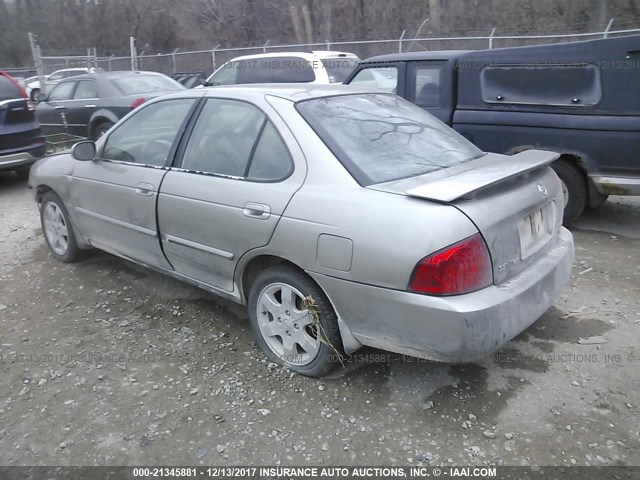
89, 105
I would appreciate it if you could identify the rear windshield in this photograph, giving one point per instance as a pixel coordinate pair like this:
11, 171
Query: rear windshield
339, 68
8, 89
275, 70
381, 137
133, 85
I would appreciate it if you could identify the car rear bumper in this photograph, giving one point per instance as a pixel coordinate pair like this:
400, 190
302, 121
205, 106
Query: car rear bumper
452, 329
20, 159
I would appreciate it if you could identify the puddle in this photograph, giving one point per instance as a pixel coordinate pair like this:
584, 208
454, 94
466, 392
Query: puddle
513, 359
552, 327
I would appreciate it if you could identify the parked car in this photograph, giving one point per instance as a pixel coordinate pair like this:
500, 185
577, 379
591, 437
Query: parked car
571, 98
21, 141
340, 217
88, 105
286, 67
33, 87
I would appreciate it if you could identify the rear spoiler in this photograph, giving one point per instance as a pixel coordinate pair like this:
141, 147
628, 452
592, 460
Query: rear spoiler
482, 173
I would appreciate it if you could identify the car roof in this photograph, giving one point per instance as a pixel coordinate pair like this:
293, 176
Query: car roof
111, 75
290, 91
77, 69
430, 55
311, 56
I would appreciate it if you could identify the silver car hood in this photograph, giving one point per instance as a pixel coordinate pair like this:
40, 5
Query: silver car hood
457, 182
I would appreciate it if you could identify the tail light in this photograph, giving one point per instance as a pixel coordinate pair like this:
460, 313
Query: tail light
137, 102
459, 268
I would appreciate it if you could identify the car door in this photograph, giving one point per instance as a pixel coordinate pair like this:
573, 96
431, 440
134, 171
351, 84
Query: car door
429, 85
52, 113
233, 182
81, 107
114, 197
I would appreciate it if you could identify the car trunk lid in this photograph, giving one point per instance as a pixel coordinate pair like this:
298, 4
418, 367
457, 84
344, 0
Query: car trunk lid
515, 202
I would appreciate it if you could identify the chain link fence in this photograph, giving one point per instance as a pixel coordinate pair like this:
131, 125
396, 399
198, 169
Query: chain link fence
208, 60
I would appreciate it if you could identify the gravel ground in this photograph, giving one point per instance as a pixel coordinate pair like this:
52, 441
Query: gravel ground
105, 363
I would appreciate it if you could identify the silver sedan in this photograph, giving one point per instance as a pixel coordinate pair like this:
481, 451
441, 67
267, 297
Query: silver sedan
340, 217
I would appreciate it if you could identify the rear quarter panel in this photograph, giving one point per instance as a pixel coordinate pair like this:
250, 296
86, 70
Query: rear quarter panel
388, 233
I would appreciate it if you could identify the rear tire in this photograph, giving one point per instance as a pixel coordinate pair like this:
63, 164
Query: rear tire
287, 331
57, 229
34, 94
576, 188
101, 129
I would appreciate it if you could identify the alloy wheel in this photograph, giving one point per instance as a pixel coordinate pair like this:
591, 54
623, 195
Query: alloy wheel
286, 326
55, 228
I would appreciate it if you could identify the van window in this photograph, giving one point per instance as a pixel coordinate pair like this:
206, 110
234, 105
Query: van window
275, 70
557, 85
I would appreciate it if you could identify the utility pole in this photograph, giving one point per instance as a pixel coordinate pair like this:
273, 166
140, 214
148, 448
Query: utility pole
435, 13
134, 54
37, 62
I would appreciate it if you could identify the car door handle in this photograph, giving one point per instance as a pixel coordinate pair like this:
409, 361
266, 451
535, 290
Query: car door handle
256, 210
90, 106
144, 189
60, 108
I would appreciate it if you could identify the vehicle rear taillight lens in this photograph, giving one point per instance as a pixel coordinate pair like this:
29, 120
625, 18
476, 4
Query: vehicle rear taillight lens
137, 102
459, 268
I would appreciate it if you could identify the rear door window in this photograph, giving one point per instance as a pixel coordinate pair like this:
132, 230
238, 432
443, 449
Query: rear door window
8, 89
139, 84
235, 139
271, 160
86, 89
223, 138
62, 91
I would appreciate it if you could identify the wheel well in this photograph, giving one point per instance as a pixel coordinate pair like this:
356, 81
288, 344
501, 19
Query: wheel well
576, 161
41, 190
95, 122
259, 264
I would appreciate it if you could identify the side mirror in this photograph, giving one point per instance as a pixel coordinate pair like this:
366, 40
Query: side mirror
84, 151
41, 97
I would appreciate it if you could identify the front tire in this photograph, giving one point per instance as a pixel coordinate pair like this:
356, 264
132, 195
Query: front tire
574, 187
57, 228
294, 322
